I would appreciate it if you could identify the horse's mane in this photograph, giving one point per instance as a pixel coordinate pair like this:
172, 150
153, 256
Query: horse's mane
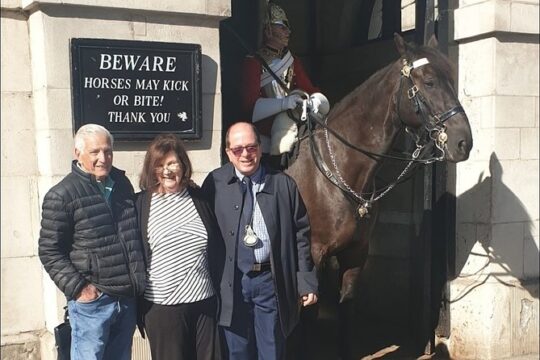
440, 63
363, 92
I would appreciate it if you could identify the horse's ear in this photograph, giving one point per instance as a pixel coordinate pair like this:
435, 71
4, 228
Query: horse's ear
433, 42
401, 45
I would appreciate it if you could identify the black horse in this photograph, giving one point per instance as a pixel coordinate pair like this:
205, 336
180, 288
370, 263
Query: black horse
416, 92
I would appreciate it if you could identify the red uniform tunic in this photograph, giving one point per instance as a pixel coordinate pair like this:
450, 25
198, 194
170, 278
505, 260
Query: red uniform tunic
251, 90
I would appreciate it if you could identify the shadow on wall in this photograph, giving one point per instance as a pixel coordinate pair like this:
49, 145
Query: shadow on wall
496, 244
503, 229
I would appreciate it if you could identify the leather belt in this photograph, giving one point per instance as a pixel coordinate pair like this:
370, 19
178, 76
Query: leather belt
259, 267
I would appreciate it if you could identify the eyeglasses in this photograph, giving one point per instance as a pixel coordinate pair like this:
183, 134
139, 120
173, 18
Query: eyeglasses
172, 167
239, 150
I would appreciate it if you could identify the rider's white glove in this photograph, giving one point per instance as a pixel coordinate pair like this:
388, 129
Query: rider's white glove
265, 107
290, 102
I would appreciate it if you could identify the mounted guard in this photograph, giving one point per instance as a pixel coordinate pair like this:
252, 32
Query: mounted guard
276, 89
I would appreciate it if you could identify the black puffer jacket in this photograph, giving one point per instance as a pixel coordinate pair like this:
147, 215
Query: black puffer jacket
84, 240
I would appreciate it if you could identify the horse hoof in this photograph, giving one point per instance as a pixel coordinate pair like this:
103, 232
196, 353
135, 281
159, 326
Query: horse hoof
350, 284
346, 295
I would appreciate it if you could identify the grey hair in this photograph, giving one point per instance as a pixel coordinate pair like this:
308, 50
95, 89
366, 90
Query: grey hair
88, 130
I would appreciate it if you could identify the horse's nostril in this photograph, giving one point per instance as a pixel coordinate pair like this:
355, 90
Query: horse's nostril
463, 146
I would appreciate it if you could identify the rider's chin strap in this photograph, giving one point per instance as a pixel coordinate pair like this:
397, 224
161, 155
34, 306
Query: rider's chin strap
258, 57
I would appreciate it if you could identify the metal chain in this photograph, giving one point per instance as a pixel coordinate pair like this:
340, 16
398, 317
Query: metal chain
365, 203
338, 173
391, 186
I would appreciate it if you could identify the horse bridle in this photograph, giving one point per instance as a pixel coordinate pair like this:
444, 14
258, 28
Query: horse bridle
432, 123
435, 130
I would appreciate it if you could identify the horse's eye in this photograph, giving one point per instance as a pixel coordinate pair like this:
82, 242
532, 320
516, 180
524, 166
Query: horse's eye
428, 83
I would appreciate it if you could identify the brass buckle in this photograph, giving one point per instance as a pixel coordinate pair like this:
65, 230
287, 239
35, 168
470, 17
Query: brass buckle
406, 70
256, 267
442, 138
411, 93
363, 210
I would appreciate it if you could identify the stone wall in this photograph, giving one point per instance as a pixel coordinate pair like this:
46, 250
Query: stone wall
494, 298
37, 145
22, 313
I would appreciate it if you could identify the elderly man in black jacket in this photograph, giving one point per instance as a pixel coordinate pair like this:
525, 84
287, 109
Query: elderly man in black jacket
90, 246
268, 271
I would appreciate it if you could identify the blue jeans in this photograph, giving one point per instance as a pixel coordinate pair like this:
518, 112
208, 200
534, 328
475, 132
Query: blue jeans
102, 329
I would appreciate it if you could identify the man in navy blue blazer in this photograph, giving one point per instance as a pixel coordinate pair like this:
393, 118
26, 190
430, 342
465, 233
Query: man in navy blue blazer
268, 273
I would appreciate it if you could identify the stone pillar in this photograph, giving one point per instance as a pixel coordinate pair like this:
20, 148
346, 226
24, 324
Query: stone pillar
22, 295
494, 297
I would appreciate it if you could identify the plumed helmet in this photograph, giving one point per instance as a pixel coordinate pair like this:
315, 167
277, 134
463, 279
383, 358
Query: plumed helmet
276, 15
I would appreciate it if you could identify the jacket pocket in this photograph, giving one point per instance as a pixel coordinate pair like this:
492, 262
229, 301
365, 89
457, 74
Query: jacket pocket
93, 266
100, 295
81, 261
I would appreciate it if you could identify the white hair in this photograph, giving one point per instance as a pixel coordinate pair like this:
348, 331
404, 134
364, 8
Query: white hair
88, 130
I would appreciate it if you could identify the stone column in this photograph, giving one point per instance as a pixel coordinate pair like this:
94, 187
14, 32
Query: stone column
494, 297
22, 290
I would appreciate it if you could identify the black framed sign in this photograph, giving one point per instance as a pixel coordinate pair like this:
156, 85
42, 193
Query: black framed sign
137, 89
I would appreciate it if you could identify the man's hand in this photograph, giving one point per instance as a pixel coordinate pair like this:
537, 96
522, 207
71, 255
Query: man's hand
88, 293
309, 299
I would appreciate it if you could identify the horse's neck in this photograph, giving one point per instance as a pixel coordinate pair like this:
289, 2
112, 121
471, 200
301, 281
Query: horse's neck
369, 109
366, 118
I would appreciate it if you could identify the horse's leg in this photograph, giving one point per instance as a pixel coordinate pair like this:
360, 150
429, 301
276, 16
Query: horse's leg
351, 265
353, 258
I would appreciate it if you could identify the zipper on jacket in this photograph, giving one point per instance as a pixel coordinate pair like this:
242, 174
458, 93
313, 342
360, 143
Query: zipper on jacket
94, 263
126, 255
122, 242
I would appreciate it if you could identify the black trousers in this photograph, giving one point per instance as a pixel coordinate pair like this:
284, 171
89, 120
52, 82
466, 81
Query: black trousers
184, 331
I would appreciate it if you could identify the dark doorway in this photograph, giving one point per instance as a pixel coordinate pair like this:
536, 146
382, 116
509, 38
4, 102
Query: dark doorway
342, 43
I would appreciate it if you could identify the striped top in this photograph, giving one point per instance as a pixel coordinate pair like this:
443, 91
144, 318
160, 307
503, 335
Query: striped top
178, 262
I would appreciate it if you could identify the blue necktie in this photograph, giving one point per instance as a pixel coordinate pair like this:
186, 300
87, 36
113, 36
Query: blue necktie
245, 257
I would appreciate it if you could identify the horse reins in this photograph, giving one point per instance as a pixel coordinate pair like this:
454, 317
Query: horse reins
419, 105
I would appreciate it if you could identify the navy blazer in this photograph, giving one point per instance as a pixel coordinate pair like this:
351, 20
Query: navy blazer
288, 227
